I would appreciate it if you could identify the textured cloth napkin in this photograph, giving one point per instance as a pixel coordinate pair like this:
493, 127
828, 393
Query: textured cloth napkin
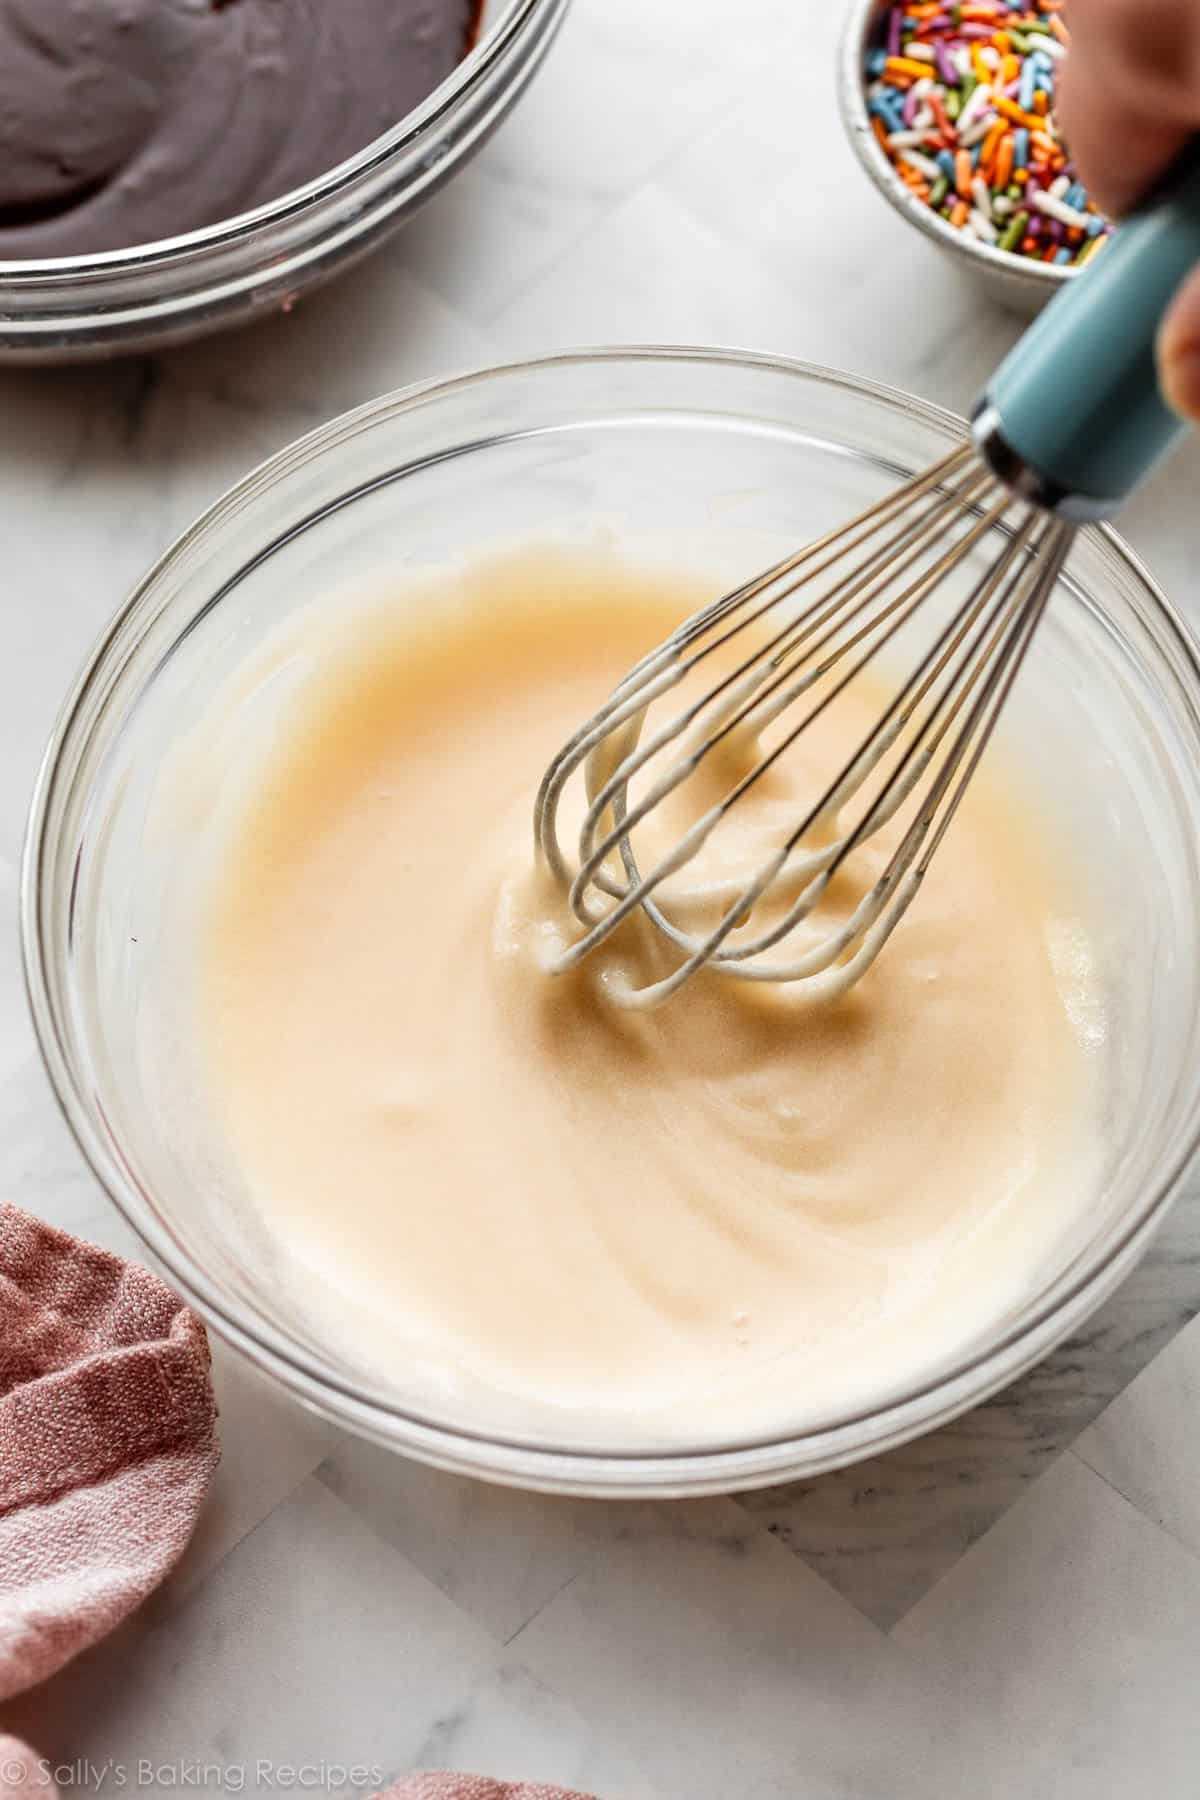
107, 1442
22, 1775
471, 1787
27, 1782
107, 1446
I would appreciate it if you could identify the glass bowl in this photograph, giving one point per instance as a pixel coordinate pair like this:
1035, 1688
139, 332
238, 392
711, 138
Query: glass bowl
76, 309
1017, 282
723, 457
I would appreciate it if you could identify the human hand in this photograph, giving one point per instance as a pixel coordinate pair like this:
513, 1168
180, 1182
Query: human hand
1128, 101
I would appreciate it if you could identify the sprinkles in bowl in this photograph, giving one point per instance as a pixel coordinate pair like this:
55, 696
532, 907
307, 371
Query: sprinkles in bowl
961, 100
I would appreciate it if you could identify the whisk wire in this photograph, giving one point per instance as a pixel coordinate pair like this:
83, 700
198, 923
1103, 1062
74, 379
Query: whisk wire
867, 582
664, 667
850, 591
913, 764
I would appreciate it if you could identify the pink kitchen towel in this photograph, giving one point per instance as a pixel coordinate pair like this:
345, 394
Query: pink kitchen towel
107, 1442
24, 1776
471, 1787
107, 1447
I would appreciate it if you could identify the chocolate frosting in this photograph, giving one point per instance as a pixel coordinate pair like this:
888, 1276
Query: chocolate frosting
125, 121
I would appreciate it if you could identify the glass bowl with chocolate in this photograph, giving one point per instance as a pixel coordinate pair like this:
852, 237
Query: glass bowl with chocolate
172, 167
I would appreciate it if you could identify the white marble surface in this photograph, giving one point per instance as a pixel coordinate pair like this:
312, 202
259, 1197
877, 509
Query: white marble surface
901, 1629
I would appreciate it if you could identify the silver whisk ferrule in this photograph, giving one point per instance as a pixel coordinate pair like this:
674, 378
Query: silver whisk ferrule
762, 666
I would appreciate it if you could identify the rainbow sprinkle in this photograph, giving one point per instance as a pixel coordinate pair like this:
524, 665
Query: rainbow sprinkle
961, 99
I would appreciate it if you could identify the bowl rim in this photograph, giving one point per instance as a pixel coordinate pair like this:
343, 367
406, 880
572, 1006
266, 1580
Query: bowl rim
474, 70
1046, 278
932, 1399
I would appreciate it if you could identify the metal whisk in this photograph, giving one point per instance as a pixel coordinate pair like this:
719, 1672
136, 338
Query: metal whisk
1069, 424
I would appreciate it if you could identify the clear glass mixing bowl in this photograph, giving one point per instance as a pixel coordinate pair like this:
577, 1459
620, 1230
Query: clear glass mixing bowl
77, 308
716, 455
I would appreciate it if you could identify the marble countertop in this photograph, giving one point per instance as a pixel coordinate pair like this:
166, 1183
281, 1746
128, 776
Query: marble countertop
1011, 1606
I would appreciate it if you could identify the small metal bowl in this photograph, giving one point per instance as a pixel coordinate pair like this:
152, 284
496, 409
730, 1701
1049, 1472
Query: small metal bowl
1016, 281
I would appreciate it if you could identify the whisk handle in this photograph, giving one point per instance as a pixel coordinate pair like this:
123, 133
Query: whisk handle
1073, 416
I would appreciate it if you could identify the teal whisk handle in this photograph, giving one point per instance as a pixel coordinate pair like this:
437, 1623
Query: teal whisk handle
1074, 417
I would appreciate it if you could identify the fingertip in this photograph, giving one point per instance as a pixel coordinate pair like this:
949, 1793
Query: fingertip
1179, 351
1119, 139
1179, 378
1081, 120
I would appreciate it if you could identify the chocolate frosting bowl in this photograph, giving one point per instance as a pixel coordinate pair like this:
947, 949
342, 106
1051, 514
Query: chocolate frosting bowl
164, 117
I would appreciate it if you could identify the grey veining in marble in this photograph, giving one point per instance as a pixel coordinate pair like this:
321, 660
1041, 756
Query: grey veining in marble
1067, 1646
884, 1531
